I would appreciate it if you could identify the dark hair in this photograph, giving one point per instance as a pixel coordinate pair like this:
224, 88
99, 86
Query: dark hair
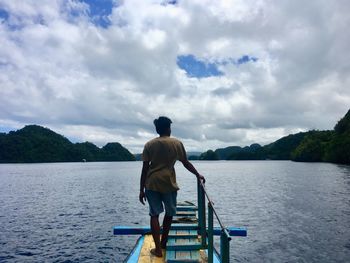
162, 124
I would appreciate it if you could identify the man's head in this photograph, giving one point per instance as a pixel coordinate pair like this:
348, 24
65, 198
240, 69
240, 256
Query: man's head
163, 125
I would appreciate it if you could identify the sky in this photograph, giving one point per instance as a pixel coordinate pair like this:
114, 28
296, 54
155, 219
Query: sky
227, 72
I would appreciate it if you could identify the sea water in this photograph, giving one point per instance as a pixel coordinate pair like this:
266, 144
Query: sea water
65, 212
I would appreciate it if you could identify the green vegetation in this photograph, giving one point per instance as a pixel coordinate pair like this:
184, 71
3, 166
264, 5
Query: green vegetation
225, 153
252, 152
209, 155
312, 146
34, 143
37, 144
328, 146
282, 148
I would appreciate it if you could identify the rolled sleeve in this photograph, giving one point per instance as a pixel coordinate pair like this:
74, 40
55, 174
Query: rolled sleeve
181, 152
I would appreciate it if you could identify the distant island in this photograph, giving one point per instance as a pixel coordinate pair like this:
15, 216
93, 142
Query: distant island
36, 144
33, 144
312, 146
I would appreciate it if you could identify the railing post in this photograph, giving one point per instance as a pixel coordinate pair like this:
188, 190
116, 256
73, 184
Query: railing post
210, 233
201, 213
225, 246
199, 203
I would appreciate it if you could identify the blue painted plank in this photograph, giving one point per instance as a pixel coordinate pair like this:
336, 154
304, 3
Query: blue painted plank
186, 208
185, 203
126, 230
134, 255
186, 213
195, 255
170, 257
189, 246
173, 241
179, 259
232, 231
179, 226
185, 220
183, 244
184, 217
183, 234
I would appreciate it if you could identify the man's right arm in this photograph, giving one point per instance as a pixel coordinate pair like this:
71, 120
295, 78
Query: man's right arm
142, 196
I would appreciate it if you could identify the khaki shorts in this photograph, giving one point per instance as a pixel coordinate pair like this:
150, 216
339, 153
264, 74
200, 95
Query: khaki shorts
156, 200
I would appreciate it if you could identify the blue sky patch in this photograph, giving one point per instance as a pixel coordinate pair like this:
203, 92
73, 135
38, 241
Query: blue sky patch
4, 18
169, 2
242, 60
245, 59
196, 68
6, 129
3, 14
99, 11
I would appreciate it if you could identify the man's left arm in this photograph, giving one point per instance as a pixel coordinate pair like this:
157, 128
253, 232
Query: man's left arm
189, 166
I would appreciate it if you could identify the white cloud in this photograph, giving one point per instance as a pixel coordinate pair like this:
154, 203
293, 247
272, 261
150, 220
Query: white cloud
101, 84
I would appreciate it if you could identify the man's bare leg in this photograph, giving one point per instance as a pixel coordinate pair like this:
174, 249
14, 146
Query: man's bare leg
166, 227
155, 228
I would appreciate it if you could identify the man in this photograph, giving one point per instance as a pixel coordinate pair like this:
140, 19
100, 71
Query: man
158, 179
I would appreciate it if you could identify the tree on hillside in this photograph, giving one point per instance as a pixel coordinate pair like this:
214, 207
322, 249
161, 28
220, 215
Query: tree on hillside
34, 143
343, 124
338, 150
209, 155
282, 148
312, 148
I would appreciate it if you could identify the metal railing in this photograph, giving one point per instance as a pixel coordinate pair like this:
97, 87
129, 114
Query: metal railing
208, 235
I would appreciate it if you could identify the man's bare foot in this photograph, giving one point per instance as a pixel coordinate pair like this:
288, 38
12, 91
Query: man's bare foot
156, 253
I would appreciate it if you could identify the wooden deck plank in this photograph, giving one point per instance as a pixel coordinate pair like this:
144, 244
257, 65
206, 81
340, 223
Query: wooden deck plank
127, 230
182, 241
180, 257
170, 256
183, 234
189, 246
145, 254
181, 213
185, 220
195, 256
183, 244
191, 212
185, 203
186, 208
183, 254
179, 226
171, 242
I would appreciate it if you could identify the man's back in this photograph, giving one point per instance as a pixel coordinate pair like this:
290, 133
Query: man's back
159, 180
162, 153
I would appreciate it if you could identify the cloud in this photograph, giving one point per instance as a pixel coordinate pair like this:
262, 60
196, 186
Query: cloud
226, 72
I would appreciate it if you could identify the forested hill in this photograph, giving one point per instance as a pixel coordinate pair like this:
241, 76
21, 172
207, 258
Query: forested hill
312, 146
34, 144
329, 146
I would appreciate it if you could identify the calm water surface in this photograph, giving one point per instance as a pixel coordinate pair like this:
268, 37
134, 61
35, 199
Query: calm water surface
294, 212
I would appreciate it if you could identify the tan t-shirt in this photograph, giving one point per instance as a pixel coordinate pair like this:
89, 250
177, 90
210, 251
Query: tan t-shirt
162, 153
